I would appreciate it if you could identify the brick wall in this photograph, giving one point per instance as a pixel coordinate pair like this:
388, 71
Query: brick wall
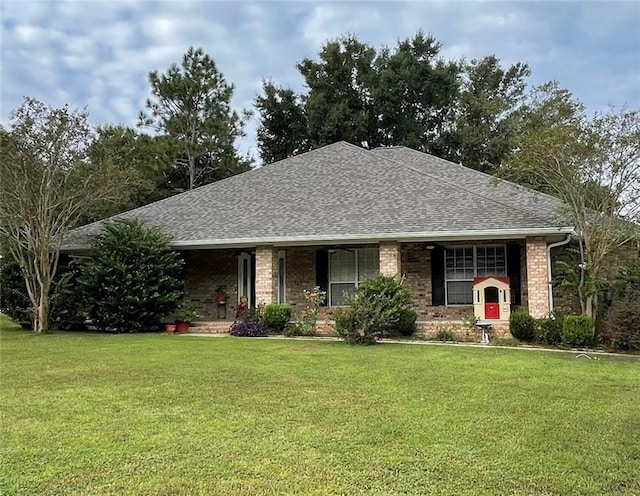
389, 253
205, 270
266, 275
300, 274
416, 272
537, 279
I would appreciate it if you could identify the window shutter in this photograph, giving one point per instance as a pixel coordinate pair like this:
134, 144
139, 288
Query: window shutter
437, 275
322, 272
513, 272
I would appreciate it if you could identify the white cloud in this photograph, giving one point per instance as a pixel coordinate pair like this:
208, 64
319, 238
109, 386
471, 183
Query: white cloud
99, 53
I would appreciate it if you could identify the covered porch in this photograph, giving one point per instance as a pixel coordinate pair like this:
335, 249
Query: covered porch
439, 276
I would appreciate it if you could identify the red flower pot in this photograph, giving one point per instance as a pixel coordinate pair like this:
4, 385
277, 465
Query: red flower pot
182, 326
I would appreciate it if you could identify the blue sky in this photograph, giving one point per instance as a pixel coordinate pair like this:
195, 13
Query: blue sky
98, 53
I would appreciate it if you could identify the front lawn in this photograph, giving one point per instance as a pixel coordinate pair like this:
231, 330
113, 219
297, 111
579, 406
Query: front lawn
97, 414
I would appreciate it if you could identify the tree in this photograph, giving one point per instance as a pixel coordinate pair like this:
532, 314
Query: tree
282, 131
488, 118
47, 183
415, 95
593, 166
191, 103
145, 160
132, 278
340, 104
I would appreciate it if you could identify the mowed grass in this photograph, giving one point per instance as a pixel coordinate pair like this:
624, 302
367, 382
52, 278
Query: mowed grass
95, 414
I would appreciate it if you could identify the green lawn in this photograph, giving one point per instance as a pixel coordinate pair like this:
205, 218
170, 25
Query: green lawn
95, 414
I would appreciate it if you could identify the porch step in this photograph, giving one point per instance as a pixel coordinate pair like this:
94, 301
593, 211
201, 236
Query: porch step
212, 327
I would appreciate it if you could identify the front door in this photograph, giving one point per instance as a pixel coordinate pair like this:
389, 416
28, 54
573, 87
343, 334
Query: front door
491, 303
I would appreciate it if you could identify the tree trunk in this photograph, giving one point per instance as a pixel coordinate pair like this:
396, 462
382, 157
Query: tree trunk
192, 172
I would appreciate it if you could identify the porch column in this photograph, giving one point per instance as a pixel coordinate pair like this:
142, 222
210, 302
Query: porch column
266, 274
390, 258
537, 283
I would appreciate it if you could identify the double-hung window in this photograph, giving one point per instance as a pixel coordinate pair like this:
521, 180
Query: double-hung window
347, 269
464, 263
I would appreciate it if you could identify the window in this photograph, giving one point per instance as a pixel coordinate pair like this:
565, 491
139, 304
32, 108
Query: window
282, 278
347, 269
462, 264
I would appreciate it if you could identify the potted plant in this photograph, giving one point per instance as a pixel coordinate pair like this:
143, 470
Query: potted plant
184, 315
170, 328
221, 295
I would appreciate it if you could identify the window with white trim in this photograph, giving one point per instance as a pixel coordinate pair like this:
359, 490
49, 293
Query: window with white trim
347, 269
464, 263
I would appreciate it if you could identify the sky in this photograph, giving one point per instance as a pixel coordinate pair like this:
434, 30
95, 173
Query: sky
98, 53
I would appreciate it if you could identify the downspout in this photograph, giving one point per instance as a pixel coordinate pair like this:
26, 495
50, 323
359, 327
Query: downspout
549, 247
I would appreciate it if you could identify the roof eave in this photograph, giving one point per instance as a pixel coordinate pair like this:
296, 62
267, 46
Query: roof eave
369, 238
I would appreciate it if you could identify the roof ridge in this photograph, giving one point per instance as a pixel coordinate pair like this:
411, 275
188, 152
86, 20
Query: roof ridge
427, 174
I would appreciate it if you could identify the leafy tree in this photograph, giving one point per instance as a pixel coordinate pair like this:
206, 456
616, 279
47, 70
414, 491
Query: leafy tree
339, 104
191, 103
282, 131
132, 278
488, 105
145, 160
415, 94
47, 184
593, 166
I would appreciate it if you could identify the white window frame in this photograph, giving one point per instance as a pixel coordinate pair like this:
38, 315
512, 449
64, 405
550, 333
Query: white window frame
282, 277
356, 272
475, 270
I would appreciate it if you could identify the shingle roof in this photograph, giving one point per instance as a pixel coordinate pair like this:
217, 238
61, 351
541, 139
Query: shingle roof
343, 192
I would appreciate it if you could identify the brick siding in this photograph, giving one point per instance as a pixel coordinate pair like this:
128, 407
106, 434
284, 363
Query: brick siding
537, 278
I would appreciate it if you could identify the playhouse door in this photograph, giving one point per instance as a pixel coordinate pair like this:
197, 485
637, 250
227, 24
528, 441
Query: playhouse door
491, 303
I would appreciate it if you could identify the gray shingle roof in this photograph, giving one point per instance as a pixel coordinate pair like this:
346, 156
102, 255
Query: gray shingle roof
343, 192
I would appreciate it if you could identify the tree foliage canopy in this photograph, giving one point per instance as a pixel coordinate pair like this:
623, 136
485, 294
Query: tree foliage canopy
47, 185
406, 95
191, 104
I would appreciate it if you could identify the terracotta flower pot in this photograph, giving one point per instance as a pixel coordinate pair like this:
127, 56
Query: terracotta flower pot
170, 328
182, 326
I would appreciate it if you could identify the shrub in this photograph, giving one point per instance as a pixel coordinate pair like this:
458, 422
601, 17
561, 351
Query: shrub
251, 315
248, 329
445, 335
623, 323
522, 325
276, 317
549, 331
577, 330
352, 327
407, 322
132, 278
13, 292
298, 329
380, 307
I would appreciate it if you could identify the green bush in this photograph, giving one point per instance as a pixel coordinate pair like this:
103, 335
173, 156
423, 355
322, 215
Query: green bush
298, 329
577, 330
132, 278
407, 322
276, 316
623, 323
549, 331
445, 335
380, 307
13, 292
522, 325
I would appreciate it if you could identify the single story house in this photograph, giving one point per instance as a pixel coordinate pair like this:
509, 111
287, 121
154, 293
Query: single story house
334, 216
